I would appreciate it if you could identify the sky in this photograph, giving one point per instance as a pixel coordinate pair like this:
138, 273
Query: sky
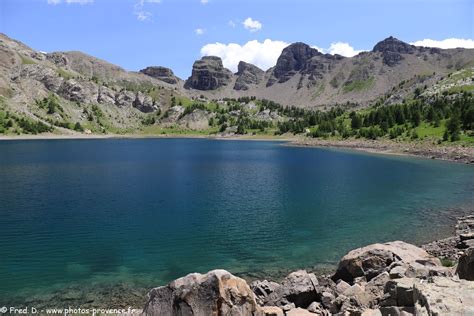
135, 34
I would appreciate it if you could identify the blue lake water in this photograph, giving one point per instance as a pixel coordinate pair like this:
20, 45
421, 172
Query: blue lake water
75, 211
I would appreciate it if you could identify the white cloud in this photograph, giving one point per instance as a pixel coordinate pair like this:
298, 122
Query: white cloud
446, 43
81, 2
343, 49
262, 54
138, 9
204, 2
252, 25
199, 31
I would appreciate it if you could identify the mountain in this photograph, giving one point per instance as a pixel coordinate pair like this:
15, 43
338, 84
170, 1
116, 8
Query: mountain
303, 76
61, 88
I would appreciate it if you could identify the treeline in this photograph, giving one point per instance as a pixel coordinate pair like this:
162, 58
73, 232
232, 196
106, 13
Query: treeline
455, 114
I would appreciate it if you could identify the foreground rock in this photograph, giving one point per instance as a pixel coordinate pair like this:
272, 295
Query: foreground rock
375, 259
216, 293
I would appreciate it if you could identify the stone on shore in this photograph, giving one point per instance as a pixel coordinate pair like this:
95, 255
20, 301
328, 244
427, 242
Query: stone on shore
216, 293
372, 260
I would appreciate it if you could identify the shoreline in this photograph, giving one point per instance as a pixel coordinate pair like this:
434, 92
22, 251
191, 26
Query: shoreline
459, 153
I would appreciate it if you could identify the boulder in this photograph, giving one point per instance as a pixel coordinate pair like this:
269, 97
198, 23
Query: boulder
317, 309
399, 292
465, 268
299, 312
208, 74
196, 120
444, 296
83, 92
374, 259
272, 311
299, 288
106, 95
262, 289
215, 293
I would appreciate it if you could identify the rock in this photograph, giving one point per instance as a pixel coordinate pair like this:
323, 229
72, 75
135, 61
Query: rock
57, 58
317, 309
47, 76
341, 286
398, 272
161, 73
216, 293
299, 312
293, 59
399, 292
287, 307
465, 268
392, 50
105, 95
262, 289
124, 98
173, 114
267, 115
397, 311
208, 74
329, 302
374, 259
196, 120
298, 288
423, 271
371, 312
272, 311
444, 296
144, 103
83, 92
247, 74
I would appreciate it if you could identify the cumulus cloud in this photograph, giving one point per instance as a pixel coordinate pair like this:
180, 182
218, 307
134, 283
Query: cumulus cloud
55, 2
252, 25
139, 9
262, 54
446, 43
343, 49
199, 31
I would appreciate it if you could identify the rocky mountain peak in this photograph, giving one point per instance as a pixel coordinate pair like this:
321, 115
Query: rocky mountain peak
247, 74
394, 45
392, 50
160, 73
208, 74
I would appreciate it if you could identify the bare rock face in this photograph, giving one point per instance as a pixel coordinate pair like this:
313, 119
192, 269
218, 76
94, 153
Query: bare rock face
197, 120
392, 50
57, 58
298, 288
160, 73
293, 59
47, 76
247, 74
83, 92
106, 95
444, 296
208, 74
216, 293
375, 259
144, 103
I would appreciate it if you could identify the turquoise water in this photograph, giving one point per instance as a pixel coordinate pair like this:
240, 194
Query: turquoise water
152, 210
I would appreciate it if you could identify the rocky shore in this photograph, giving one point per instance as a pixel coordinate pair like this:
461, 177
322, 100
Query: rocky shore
420, 149
394, 278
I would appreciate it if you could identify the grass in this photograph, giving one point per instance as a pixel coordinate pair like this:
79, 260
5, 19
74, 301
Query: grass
426, 130
460, 89
64, 74
359, 85
447, 262
27, 61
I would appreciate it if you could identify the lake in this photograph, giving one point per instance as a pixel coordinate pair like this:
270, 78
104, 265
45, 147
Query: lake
145, 211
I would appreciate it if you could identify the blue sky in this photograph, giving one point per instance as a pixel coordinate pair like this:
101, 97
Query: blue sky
173, 33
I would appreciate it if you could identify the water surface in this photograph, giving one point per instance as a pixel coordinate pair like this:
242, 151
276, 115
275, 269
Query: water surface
75, 211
